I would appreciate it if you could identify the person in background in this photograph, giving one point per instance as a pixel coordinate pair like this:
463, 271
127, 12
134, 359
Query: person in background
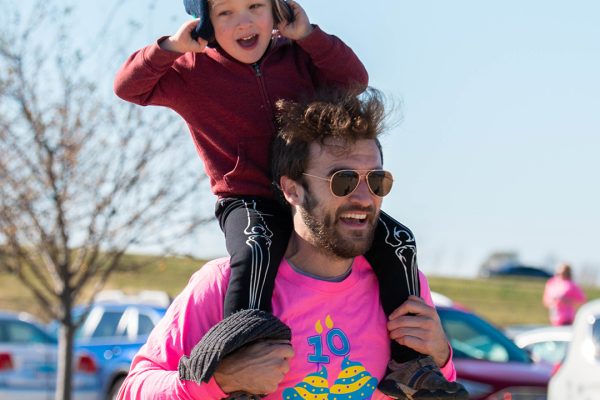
562, 296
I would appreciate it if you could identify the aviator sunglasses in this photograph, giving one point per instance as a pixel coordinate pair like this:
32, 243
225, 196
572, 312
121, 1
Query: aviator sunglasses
344, 182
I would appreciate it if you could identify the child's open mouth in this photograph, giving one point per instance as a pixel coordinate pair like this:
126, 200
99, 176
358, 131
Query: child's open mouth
248, 41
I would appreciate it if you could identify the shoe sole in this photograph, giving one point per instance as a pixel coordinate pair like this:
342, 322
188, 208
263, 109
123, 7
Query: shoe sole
422, 394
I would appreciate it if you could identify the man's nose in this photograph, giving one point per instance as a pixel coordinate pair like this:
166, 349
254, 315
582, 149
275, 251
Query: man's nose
362, 193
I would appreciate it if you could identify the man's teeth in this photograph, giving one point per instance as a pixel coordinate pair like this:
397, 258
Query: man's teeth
355, 216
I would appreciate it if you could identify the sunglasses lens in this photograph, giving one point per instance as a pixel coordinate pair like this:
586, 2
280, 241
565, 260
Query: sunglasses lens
380, 182
344, 182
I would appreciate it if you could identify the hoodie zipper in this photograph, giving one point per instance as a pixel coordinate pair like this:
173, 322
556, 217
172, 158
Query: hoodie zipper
266, 103
257, 70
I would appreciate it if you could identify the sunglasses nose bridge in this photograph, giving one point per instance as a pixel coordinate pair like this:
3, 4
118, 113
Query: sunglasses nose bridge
345, 182
362, 187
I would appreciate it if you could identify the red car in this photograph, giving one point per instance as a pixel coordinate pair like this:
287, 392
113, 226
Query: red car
488, 363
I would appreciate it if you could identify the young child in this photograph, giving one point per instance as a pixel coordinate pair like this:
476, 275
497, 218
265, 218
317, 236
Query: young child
223, 73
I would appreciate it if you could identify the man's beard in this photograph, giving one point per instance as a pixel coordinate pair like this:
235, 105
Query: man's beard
327, 239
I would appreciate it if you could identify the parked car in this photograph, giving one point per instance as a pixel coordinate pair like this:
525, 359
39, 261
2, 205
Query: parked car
113, 331
488, 363
513, 330
517, 270
579, 375
548, 344
28, 362
441, 300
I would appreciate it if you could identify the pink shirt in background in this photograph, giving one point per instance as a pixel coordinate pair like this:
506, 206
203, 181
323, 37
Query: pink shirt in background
562, 297
339, 336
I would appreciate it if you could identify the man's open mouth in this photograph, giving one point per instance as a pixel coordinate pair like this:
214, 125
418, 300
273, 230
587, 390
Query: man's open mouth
354, 218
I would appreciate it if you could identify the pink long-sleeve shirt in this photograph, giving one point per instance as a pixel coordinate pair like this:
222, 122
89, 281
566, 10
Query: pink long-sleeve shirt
562, 296
339, 336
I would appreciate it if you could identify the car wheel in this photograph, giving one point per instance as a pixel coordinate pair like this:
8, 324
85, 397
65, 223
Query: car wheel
114, 390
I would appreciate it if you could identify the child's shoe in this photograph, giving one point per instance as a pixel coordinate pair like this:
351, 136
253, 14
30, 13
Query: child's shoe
419, 379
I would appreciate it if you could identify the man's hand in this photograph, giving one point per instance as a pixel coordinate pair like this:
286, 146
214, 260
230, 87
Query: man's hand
422, 331
300, 28
182, 41
256, 368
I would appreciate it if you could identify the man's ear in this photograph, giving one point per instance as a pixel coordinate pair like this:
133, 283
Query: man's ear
292, 190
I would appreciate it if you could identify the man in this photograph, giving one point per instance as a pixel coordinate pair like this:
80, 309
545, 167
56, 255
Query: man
328, 165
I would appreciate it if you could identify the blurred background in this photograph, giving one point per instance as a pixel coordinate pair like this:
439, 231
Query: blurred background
495, 131
493, 141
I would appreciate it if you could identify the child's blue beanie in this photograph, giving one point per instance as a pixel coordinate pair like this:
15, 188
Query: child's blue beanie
200, 9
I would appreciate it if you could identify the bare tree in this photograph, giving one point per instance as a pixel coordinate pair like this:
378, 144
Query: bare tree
83, 176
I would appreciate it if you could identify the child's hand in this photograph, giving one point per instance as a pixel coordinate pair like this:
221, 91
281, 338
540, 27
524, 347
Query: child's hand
182, 41
300, 28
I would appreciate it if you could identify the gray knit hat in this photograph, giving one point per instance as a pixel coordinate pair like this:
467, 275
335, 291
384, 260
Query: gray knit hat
239, 329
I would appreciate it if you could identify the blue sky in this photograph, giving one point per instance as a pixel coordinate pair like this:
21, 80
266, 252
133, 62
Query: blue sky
498, 134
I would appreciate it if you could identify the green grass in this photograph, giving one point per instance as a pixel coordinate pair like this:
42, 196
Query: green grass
138, 272
154, 273
502, 301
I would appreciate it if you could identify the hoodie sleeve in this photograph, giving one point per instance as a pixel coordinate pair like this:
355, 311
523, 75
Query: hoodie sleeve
335, 63
152, 75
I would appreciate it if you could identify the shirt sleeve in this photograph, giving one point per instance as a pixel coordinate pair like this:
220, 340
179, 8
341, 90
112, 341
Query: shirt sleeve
448, 370
147, 76
335, 63
154, 369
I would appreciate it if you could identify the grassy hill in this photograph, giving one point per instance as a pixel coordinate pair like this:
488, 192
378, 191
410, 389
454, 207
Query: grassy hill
502, 301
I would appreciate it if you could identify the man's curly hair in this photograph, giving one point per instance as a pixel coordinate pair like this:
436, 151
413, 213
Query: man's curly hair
331, 114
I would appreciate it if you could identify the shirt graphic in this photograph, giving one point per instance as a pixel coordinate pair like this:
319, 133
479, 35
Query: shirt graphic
353, 382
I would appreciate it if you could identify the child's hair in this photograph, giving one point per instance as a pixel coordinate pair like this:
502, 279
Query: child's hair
282, 11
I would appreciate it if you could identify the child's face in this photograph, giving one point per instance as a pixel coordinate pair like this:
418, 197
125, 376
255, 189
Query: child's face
242, 27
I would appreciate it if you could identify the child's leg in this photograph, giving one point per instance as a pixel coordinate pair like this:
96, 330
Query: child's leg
256, 231
393, 257
256, 234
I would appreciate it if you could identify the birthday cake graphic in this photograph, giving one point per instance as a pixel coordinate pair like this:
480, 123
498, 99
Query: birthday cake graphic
353, 383
314, 386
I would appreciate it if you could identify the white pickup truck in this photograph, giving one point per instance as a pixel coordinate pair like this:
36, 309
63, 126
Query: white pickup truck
579, 375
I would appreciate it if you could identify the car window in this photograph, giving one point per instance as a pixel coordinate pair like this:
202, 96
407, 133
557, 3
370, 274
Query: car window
22, 333
108, 325
550, 351
472, 337
596, 331
596, 336
145, 324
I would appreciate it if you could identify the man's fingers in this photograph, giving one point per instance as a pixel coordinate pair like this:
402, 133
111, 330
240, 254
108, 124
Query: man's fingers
411, 322
281, 349
413, 305
255, 368
413, 342
422, 332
